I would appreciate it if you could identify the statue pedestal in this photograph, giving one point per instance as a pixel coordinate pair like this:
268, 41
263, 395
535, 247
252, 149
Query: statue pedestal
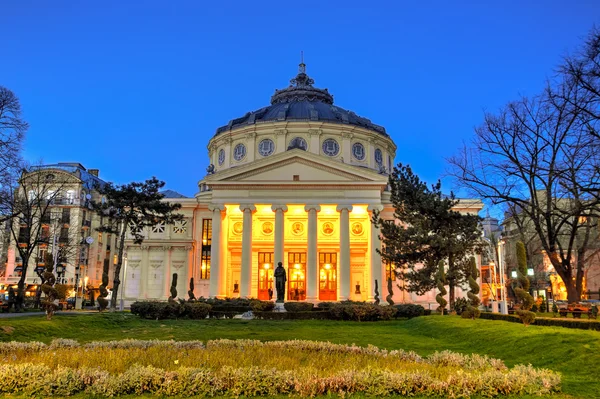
279, 307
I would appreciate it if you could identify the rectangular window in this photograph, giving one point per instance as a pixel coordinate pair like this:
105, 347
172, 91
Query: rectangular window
205, 249
390, 271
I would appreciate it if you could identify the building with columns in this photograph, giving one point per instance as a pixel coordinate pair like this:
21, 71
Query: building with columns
293, 182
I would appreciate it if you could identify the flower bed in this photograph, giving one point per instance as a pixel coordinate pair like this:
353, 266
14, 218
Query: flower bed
254, 368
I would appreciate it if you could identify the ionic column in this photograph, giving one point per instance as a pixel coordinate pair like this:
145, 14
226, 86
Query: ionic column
344, 211
375, 244
246, 274
144, 272
312, 266
279, 231
216, 271
169, 276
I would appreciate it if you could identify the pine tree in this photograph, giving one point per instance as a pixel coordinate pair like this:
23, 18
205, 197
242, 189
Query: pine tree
522, 289
441, 282
430, 231
129, 209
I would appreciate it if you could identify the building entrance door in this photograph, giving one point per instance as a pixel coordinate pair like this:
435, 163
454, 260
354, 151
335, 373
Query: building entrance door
265, 275
327, 276
296, 276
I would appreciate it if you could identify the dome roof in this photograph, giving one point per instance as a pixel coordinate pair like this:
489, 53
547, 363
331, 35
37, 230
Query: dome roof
302, 102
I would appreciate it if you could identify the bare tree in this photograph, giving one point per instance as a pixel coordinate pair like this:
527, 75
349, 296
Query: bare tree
537, 156
12, 134
35, 221
582, 70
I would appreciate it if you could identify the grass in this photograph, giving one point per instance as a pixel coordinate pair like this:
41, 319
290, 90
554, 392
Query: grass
574, 353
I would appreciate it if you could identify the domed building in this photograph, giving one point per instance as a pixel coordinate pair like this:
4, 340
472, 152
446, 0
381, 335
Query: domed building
293, 182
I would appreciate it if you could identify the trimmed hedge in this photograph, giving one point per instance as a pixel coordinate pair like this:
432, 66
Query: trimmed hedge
170, 310
409, 310
298, 306
314, 315
568, 323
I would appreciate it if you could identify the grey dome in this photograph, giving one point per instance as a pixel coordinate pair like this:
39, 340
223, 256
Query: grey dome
302, 102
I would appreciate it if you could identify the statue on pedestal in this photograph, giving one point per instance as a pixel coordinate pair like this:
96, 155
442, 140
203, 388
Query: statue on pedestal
280, 280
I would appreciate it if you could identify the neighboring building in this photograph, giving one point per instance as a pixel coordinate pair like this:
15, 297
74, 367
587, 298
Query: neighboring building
293, 182
70, 224
491, 279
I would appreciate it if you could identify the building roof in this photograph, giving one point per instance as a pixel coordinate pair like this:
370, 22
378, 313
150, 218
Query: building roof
301, 101
77, 169
172, 194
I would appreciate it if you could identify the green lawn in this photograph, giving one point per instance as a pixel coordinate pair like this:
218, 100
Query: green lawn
574, 353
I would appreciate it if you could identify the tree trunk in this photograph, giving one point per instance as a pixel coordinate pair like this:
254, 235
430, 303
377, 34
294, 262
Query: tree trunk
117, 280
20, 297
451, 294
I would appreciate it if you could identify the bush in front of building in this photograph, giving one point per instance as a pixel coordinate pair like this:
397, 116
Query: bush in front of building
156, 310
298, 306
359, 311
409, 310
460, 305
261, 306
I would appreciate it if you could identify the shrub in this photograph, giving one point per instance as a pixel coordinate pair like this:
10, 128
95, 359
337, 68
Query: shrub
441, 282
298, 306
156, 310
554, 308
409, 310
196, 310
460, 305
360, 311
594, 312
261, 306
534, 307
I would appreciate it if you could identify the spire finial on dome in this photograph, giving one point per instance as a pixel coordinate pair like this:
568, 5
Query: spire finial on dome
302, 65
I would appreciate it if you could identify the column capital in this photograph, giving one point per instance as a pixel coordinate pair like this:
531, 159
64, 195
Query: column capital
247, 207
312, 207
216, 207
344, 207
279, 207
375, 207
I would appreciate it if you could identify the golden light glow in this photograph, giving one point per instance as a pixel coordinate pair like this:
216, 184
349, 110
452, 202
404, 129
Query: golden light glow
359, 210
233, 209
266, 265
203, 266
329, 209
204, 242
297, 266
327, 266
264, 210
296, 210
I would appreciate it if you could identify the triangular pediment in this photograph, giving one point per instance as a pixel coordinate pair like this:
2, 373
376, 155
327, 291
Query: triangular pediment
303, 166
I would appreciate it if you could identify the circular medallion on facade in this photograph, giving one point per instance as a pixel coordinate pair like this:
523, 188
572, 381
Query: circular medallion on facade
221, 156
238, 227
378, 157
267, 227
328, 228
331, 147
357, 228
239, 152
358, 151
266, 147
298, 142
297, 228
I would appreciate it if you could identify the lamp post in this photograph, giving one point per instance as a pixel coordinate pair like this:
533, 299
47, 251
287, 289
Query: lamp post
501, 266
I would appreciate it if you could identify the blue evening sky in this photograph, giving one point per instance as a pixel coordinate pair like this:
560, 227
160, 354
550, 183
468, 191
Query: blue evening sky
137, 88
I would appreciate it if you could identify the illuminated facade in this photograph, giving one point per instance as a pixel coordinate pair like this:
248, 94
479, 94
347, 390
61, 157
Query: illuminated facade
294, 182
